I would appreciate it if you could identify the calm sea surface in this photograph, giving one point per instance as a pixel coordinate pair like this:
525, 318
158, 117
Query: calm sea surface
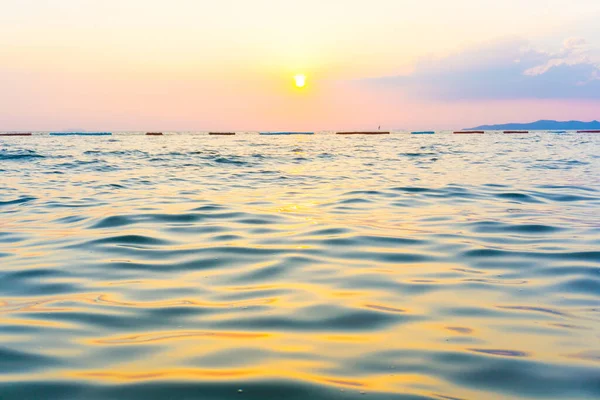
317, 267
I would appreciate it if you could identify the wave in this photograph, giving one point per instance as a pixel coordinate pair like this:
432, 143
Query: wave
304, 268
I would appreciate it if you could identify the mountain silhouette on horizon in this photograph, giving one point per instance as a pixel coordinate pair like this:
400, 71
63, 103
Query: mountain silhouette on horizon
543, 124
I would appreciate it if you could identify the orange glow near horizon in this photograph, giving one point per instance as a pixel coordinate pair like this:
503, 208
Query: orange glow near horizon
163, 66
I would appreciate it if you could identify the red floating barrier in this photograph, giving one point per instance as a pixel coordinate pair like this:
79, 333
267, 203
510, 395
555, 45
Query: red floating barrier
516, 131
16, 134
590, 131
154, 133
221, 133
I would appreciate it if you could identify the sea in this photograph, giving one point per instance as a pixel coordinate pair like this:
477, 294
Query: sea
250, 267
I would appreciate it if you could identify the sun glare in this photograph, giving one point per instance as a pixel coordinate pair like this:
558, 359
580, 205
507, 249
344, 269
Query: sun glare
300, 80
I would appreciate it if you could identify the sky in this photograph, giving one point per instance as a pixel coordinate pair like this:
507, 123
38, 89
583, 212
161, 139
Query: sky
229, 64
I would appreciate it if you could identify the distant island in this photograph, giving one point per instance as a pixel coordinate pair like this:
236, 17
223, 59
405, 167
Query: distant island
543, 124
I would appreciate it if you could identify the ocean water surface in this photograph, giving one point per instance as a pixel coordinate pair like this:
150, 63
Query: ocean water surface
320, 267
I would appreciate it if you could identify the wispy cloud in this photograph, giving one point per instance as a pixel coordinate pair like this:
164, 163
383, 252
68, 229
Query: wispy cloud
508, 69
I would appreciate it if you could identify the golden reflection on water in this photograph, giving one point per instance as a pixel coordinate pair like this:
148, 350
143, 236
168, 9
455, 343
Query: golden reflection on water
168, 336
383, 383
9, 306
174, 374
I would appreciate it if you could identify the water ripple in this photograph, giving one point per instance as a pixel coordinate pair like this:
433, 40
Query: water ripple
307, 267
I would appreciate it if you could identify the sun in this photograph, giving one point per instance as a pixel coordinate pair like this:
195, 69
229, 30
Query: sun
300, 80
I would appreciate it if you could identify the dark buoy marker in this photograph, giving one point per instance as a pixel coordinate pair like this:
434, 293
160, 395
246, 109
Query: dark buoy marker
16, 134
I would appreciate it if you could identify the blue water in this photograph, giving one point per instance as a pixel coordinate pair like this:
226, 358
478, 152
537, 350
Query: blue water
190, 266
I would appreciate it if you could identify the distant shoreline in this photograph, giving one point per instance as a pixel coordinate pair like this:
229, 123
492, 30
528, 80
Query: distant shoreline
541, 125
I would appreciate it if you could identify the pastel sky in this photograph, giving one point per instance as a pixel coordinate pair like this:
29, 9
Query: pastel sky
229, 64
